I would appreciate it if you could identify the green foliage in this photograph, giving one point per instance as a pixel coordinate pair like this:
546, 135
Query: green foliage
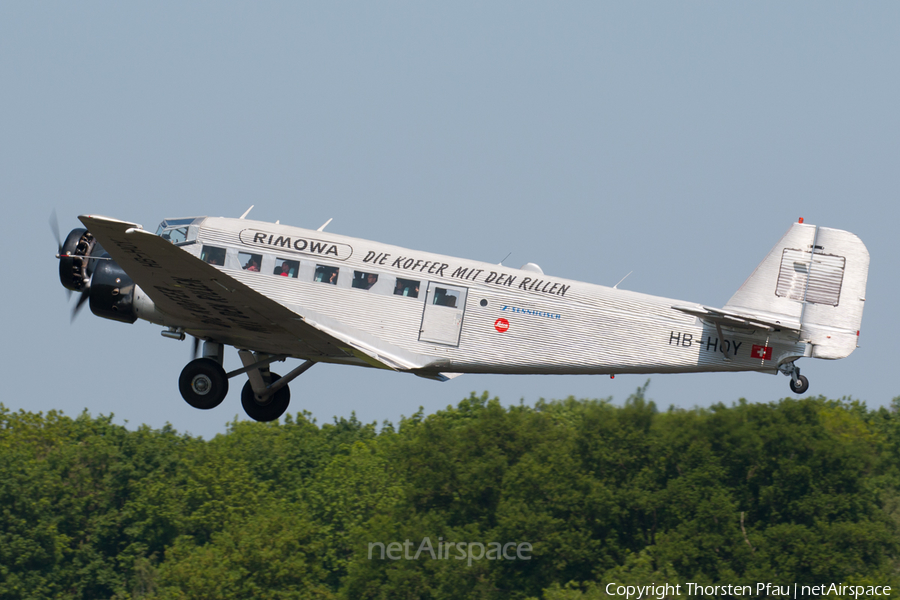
795, 490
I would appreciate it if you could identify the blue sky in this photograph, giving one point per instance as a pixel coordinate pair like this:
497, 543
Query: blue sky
677, 141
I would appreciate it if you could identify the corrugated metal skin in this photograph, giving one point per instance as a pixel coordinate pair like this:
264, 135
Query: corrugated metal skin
589, 329
219, 236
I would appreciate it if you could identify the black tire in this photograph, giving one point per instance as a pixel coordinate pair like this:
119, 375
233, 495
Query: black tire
270, 411
804, 385
203, 383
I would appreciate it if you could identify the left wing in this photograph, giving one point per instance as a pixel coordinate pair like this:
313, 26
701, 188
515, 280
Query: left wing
208, 302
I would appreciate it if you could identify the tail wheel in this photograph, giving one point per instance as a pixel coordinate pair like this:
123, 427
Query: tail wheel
800, 385
269, 410
203, 383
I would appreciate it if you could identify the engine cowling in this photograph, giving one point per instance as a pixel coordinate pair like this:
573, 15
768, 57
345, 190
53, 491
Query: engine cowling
72, 259
112, 292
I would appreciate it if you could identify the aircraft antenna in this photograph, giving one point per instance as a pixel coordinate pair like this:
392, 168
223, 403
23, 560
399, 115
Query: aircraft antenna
322, 228
615, 287
504, 258
247, 212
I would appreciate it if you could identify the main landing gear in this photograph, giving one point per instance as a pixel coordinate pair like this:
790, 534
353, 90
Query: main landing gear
269, 407
204, 383
799, 383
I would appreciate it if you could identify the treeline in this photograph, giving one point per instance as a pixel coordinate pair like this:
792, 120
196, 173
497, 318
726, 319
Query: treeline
551, 501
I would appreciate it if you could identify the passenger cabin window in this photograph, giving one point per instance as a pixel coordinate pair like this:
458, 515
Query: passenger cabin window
406, 287
364, 281
286, 267
213, 255
250, 262
445, 297
326, 274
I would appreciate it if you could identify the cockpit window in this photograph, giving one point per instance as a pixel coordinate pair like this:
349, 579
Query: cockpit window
213, 255
175, 230
286, 267
176, 236
176, 222
250, 262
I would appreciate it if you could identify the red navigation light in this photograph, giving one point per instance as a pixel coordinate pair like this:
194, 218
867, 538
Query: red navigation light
801, 219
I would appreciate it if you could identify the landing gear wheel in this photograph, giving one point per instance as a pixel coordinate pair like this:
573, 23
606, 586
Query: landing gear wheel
272, 409
803, 384
203, 383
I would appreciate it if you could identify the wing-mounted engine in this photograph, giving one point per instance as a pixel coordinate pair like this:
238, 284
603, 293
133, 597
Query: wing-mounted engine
75, 266
112, 293
85, 267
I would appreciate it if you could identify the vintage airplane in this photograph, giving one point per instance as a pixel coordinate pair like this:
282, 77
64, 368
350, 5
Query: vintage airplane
276, 292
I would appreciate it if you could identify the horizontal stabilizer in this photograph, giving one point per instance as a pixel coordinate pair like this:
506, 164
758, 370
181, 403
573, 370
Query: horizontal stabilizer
732, 319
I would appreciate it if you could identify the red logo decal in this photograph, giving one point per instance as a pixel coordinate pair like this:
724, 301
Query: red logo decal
761, 352
501, 325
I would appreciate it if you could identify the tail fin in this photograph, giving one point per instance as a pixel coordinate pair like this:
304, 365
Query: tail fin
814, 277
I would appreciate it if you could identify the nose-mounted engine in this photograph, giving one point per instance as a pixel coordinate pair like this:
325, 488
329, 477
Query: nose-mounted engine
85, 267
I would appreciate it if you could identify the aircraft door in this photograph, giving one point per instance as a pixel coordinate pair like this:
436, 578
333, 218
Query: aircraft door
443, 315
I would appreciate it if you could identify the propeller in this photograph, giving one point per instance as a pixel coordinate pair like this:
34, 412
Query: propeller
82, 299
54, 227
64, 254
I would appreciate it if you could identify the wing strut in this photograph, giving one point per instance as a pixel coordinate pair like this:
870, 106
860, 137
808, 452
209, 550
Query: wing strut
252, 363
726, 352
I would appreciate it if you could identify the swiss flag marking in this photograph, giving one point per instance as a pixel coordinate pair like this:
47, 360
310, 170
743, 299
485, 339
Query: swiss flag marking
761, 352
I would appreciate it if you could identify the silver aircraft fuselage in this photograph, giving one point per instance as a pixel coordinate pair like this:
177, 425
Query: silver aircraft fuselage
503, 320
